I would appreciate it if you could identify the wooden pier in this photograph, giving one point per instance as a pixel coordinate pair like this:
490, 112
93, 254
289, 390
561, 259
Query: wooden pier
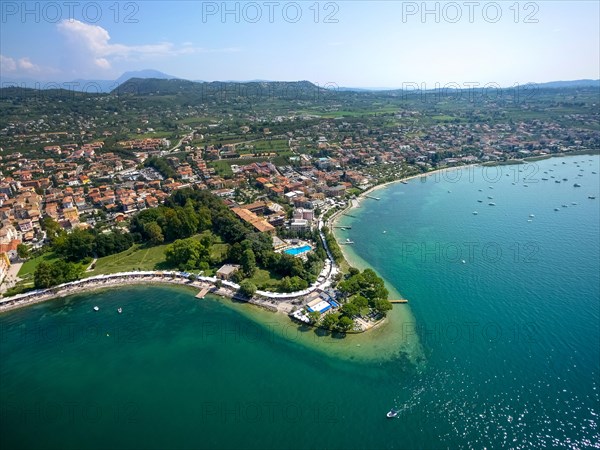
402, 300
202, 293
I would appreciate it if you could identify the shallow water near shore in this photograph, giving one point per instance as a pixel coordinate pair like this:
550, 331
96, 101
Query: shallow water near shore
506, 345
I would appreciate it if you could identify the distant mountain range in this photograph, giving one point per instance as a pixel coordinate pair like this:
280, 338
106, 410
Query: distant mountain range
223, 90
82, 85
125, 84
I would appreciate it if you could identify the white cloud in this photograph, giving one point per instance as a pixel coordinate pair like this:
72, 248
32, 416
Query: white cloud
18, 66
26, 65
7, 64
93, 48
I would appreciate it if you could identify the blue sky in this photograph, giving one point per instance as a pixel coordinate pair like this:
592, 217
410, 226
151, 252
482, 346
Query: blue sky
353, 43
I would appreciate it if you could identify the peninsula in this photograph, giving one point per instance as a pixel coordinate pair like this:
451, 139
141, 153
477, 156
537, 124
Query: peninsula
240, 201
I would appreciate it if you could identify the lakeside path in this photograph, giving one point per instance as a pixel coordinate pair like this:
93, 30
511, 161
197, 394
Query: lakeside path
274, 301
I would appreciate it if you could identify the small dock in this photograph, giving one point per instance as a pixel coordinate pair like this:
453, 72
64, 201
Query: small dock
342, 227
371, 197
402, 300
202, 293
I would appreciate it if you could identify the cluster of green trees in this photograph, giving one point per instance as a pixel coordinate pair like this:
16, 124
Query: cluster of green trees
334, 248
162, 166
365, 285
256, 250
337, 321
188, 212
190, 253
293, 284
363, 291
343, 320
185, 213
49, 274
247, 288
81, 244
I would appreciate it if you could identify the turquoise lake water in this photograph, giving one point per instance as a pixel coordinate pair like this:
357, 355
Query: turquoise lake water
503, 351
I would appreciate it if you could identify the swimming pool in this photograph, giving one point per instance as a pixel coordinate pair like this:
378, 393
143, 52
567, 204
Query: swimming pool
298, 250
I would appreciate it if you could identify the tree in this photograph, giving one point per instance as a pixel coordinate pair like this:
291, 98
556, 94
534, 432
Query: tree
345, 323
314, 317
382, 306
248, 261
51, 274
43, 276
52, 228
79, 244
22, 251
330, 321
247, 289
350, 309
187, 254
353, 271
110, 243
360, 302
154, 233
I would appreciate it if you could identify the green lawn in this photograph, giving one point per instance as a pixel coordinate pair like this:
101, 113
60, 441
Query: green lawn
268, 146
264, 280
144, 258
29, 266
137, 257
223, 168
219, 250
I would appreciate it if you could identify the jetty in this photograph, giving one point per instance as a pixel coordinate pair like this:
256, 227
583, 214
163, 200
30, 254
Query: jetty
343, 227
348, 215
402, 300
202, 293
371, 197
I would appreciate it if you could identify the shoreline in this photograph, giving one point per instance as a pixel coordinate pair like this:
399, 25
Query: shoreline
124, 279
127, 279
355, 203
332, 221
104, 282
